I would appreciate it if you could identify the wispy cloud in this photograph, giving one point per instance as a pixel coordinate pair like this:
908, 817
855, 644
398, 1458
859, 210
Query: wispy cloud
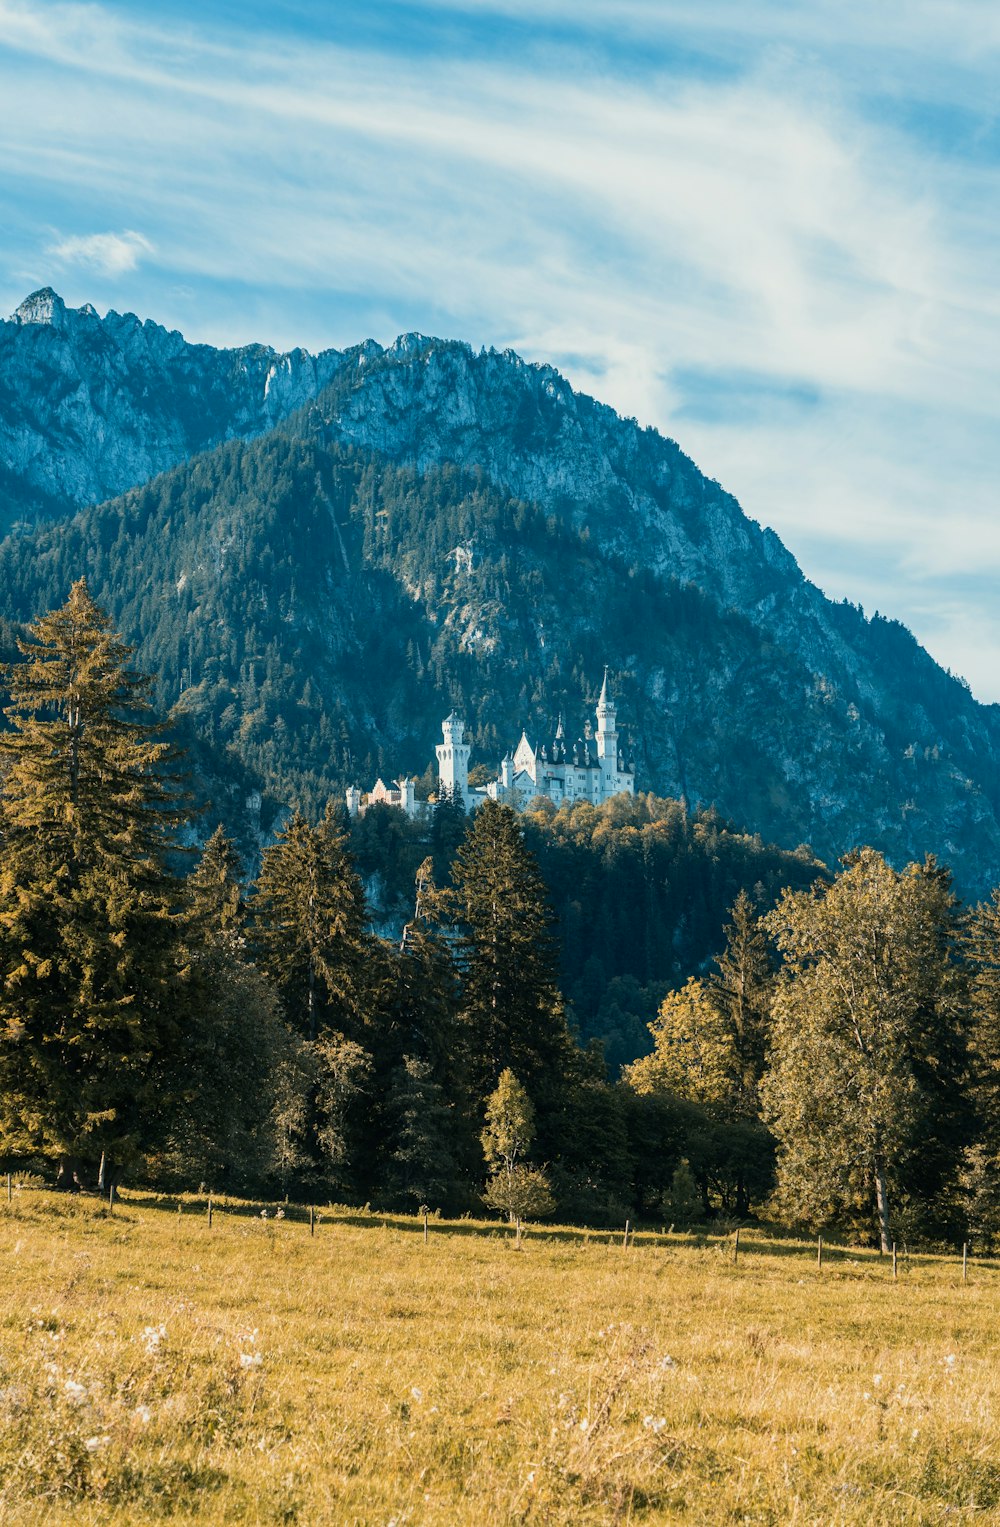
112, 254
769, 230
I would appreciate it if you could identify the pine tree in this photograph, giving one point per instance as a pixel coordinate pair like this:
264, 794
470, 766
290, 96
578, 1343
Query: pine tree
423, 1169
511, 1003
214, 891
742, 992
309, 918
92, 997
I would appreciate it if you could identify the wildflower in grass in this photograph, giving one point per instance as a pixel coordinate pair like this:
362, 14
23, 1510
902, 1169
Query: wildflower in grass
949, 1361
74, 1392
417, 1394
876, 1379
667, 1362
151, 1338
654, 1424
280, 1214
94, 1444
144, 1414
250, 1359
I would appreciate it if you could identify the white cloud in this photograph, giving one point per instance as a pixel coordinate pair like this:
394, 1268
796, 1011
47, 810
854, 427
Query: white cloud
638, 225
111, 254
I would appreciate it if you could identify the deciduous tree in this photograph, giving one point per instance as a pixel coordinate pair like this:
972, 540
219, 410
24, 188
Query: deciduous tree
869, 1047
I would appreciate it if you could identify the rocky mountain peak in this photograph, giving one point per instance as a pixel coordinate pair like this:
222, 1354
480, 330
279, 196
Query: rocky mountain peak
97, 405
44, 306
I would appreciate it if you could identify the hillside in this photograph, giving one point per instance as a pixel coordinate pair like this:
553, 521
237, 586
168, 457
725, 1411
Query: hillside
436, 528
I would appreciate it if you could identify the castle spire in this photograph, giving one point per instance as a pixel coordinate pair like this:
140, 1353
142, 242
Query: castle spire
603, 699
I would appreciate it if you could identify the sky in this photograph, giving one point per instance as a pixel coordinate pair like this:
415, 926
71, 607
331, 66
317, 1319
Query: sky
770, 230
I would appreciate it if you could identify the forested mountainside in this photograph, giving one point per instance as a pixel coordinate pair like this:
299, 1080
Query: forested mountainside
438, 528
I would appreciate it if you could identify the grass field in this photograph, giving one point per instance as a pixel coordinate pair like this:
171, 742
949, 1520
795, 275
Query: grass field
152, 1367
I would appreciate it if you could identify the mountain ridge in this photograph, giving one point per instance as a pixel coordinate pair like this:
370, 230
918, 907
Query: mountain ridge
493, 518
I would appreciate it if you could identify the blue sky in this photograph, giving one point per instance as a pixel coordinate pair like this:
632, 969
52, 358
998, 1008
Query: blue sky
769, 229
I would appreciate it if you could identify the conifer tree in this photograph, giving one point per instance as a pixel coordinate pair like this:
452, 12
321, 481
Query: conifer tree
512, 1008
742, 992
215, 895
91, 985
309, 918
981, 1169
423, 1168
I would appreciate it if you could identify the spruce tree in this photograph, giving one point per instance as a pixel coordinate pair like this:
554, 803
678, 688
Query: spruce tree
309, 919
91, 985
423, 1168
512, 1008
215, 895
742, 991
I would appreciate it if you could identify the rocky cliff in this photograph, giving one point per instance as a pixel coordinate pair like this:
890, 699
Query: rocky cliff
89, 406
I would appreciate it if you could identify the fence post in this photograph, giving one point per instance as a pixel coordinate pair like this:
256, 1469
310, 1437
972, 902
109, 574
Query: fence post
111, 1199
312, 1220
819, 1253
736, 1247
425, 1227
965, 1261
625, 1237
8, 1188
209, 1214
894, 1259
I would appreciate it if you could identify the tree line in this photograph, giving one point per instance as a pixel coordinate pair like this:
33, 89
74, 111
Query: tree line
837, 1064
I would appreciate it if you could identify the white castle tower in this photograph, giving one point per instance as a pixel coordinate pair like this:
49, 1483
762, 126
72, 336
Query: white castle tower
607, 740
453, 760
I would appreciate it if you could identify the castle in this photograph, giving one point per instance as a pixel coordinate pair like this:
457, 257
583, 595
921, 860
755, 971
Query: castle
593, 770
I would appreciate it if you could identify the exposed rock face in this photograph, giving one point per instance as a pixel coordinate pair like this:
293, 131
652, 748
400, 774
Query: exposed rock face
90, 407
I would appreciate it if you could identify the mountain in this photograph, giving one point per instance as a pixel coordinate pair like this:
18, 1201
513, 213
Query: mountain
89, 406
437, 527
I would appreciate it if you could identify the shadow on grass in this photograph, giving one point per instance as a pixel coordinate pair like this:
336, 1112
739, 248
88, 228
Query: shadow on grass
756, 1241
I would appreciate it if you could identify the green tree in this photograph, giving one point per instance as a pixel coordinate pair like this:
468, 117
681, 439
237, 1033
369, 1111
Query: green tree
343, 1096
93, 993
511, 1002
309, 919
742, 991
515, 1188
214, 890
865, 1090
684, 1202
423, 1168
694, 1055
981, 1169
222, 1128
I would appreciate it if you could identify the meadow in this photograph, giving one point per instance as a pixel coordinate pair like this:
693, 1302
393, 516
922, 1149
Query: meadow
154, 1367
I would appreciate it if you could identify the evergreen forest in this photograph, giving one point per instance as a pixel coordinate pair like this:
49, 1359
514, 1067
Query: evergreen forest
821, 1049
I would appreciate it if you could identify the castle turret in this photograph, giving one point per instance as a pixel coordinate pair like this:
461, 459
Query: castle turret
453, 760
353, 801
607, 733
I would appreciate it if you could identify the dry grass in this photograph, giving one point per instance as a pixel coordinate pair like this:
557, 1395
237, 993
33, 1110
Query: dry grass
151, 1368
